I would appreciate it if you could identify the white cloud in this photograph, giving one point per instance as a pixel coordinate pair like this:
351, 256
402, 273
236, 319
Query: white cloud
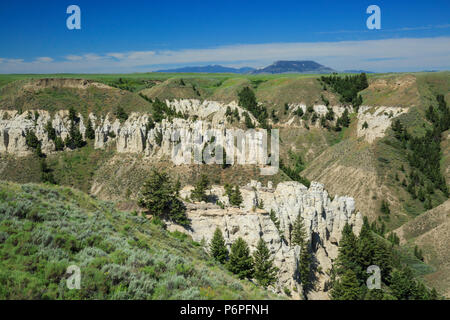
116, 55
403, 54
72, 57
44, 59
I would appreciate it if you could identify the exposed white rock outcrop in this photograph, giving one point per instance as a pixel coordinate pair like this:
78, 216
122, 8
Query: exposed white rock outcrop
378, 120
324, 220
13, 128
320, 110
182, 140
132, 136
212, 111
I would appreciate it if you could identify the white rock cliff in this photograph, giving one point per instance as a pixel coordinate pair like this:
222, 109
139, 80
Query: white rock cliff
324, 220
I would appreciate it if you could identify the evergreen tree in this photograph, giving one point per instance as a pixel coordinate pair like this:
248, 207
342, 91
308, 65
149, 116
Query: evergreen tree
298, 235
365, 248
264, 271
247, 100
421, 195
159, 198
348, 252
51, 132
177, 187
428, 204
418, 253
345, 119
385, 207
198, 194
228, 189
47, 173
240, 262
59, 144
90, 133
304, 266
121, 114
31, 140
248, 122
74, 139
299, 112
73, 115
347, 287
274, 219
402, 284
218, 249
235, 197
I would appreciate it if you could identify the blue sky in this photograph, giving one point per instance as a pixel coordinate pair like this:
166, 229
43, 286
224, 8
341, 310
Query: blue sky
130, 36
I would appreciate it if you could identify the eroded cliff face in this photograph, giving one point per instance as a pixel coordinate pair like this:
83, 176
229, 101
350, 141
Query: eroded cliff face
13, 128
324, 220
378, 120
134, 135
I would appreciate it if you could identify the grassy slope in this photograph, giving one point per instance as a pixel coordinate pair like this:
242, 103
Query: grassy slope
430, 232
44, 229
93, 99
376, 165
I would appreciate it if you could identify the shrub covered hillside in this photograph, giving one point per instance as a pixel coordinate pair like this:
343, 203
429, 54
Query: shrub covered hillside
44, 229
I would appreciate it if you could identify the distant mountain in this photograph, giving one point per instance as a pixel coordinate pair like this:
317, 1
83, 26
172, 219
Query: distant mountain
303, 66
357, 71
294, 67
209, 69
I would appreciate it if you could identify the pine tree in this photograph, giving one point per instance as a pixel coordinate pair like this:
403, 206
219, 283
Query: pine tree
264, 271
347, 287
90, 133
428, 205
365, 248
248, 121
121, 114
235, 197
47, 173
385, 207
274, 219
73, 115
31, 139
177, 187
198, 194
421, 195
345, 119
298, 235
304, 266
217, 249
59, 144
74, 139
240, 262
418, 253
51, 132
348, 252
402, 284
159, 198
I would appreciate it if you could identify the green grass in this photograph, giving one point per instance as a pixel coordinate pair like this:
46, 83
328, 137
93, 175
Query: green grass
44, 229
406, 255
97, 100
